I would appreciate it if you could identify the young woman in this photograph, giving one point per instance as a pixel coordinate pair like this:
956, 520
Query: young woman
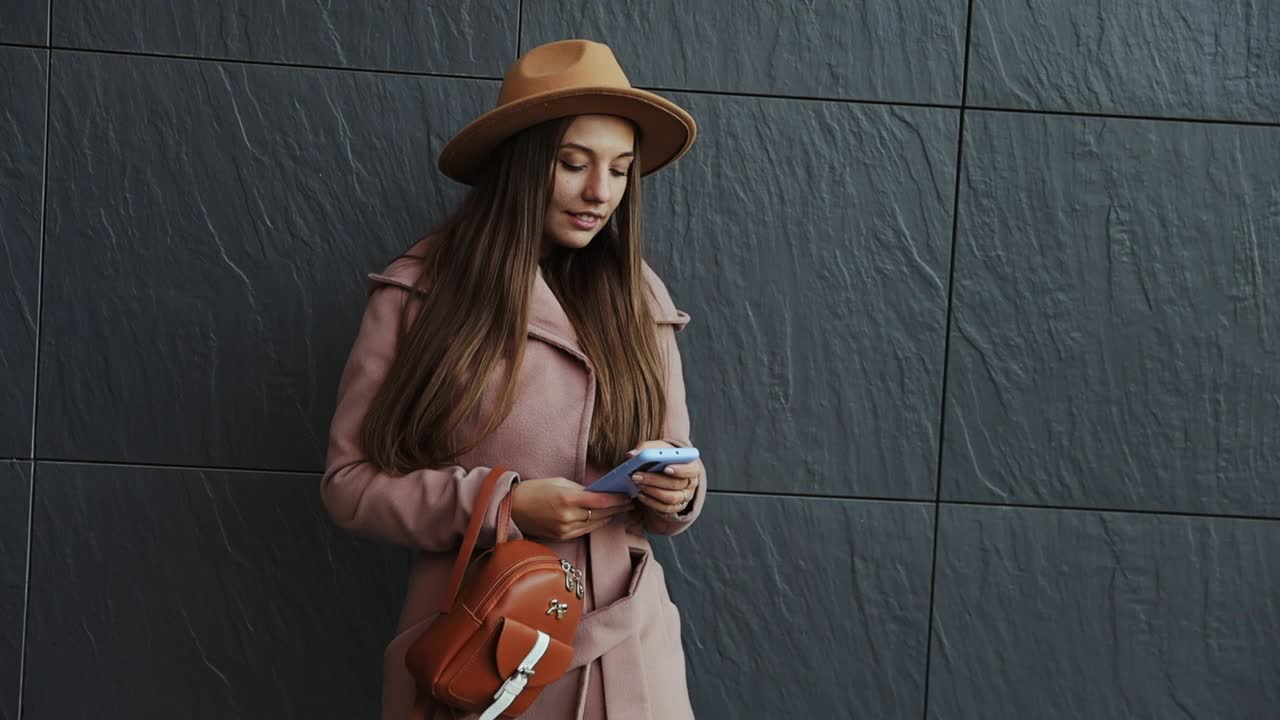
529, 332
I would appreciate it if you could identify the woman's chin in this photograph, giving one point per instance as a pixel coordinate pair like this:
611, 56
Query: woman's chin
574, 239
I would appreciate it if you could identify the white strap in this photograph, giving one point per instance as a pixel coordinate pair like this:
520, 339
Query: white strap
515, 684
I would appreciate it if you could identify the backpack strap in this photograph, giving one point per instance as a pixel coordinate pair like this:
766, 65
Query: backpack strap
473, 531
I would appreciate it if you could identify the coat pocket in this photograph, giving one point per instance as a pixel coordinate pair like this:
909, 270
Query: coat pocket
641, 607
640, 586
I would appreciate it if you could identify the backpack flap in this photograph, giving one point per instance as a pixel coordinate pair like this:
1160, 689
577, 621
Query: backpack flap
516, 640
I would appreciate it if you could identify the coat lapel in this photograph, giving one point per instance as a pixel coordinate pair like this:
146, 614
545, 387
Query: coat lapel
549, 322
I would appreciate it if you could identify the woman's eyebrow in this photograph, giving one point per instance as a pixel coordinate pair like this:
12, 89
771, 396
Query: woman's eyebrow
591, 152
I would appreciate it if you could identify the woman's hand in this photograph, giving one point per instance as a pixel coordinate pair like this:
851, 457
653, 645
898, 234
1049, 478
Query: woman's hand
556, 508
671, 490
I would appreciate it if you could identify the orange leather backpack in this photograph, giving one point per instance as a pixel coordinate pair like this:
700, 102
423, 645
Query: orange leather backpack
507, 632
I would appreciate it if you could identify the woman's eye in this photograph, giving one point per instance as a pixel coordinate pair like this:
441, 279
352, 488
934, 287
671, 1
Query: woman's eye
619, 173
572, 168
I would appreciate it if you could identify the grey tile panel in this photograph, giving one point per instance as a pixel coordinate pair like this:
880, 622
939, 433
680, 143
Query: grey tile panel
1079, 614
1184, 58
895, 52
209, 229
25, 22
22, 97
221, 594
15, 490
442, 36
810, 242
1115, 339
802, 608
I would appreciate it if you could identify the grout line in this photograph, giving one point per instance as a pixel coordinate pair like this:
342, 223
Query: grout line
29, 46
726, 492
662, 89
990, 505
946, 358
1115, 510
817, 496
257, 63
26, 591
999, 505
519, 26
801, 98
1122, 116
44, 211
174, 466
35, 384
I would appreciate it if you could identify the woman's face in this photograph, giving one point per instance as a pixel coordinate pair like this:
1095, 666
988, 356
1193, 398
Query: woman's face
590, 177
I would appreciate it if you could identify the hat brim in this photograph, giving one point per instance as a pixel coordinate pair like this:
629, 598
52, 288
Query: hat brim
667, 131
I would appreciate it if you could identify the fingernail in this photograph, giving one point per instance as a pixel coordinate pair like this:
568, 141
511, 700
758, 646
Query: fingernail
669, 470
631, 453
637, 479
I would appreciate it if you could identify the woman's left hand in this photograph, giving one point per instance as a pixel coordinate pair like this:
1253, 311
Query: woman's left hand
671, 490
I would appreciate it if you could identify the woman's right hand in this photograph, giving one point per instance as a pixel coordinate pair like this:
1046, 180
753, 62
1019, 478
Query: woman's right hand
556, 508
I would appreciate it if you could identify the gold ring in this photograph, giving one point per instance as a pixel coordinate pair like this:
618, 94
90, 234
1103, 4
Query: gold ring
685, 495
588, 514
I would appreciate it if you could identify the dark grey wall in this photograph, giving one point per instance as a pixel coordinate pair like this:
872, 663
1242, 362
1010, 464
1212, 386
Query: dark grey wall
985, 354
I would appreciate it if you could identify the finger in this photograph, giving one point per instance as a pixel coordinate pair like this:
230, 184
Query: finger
573, 518
659, 506
590, 527
668, 497
683, 470
598, 500
649, 444
662, 482
605, 512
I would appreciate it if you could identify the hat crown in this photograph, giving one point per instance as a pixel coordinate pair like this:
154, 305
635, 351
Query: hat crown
561, 65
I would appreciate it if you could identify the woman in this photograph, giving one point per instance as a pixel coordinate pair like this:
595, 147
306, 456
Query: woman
540, 270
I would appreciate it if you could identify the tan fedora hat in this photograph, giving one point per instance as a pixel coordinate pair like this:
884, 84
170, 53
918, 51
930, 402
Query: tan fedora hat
569, 77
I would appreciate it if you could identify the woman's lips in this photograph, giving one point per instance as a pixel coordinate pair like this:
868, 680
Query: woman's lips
584, 222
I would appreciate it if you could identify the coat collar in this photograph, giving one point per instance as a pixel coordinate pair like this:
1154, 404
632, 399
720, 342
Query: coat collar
547, 319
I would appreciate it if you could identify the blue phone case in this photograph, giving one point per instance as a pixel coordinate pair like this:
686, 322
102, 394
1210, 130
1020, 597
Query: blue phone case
647, 460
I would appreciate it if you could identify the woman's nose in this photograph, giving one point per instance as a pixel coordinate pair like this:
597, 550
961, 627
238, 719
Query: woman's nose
597, 189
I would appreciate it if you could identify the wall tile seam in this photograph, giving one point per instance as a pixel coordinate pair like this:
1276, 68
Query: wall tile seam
83, 462
1181, 120
519, 28
464, 76
35, 383
22, 45
943, 393
1111, 511
26, 592
924, 502
1243, 122
71, 49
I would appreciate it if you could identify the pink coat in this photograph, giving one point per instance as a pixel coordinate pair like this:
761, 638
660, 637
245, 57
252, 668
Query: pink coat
627, 648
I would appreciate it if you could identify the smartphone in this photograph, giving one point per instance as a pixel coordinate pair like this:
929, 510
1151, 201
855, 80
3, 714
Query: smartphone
618, 480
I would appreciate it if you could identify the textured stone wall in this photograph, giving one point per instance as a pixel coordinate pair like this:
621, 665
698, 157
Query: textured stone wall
985, 356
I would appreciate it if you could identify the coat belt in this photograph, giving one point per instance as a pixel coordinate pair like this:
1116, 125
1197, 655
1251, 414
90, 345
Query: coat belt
612, 632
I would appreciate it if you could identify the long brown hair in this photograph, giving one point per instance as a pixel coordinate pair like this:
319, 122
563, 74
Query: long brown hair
478, 277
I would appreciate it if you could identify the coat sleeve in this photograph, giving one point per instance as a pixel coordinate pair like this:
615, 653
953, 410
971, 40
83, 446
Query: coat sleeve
426, 509
676, 433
